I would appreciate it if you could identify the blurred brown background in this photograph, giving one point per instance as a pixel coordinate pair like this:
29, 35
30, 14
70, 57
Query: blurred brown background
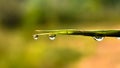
20, 18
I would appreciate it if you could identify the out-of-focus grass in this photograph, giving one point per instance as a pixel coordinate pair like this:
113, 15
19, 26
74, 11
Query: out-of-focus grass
53, 57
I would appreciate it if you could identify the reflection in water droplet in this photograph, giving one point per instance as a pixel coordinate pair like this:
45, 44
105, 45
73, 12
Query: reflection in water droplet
118, 38
35, 37
98, 38
52, 37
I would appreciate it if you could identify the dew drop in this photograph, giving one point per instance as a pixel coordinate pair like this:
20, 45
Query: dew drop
98, 38
35, 37
52, 37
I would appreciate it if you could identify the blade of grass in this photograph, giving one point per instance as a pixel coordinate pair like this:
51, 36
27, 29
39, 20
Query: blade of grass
104, 33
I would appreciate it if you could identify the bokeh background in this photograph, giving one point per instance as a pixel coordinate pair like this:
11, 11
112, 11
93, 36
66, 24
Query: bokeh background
20, 18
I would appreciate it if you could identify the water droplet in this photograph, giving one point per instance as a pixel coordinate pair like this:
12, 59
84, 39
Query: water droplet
118, 38
35, 37
98, 38
52, 37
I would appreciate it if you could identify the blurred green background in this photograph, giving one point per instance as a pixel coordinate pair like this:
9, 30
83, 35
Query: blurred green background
20, 18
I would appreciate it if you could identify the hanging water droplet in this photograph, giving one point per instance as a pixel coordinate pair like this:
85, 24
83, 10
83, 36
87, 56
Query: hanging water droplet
118, 38
52, 37
35, 37
98, 38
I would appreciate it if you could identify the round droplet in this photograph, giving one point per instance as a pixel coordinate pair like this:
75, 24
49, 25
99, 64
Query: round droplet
118, 38
35, 37
98, 38
52, 37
